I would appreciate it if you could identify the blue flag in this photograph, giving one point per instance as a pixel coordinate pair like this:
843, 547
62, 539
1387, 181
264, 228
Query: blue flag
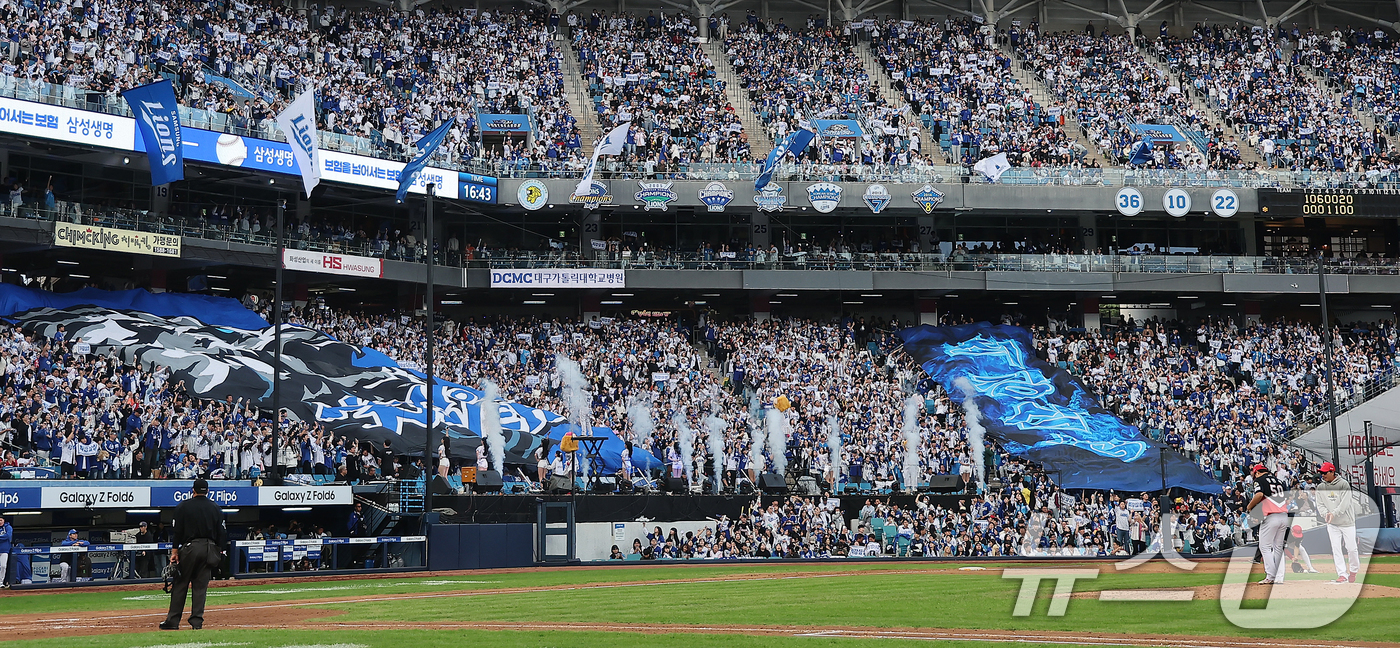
426, 146
1140, 153
1039, 412
158, 118
796, 142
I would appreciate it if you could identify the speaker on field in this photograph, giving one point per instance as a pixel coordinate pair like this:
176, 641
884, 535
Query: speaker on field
560, 484
744, 487
772, 484
944, 483
605, 484
439, 486
677, 485
487, 481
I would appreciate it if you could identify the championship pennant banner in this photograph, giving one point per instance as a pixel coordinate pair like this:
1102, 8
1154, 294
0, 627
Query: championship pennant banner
115, 240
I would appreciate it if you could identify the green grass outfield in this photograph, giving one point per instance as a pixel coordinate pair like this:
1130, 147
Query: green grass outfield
491, 639
875, 598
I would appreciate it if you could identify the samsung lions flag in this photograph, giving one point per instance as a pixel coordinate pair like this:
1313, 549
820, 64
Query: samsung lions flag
1140, 152
795, 143
992, 167
610, 145
426, 146
158, 117
298, 124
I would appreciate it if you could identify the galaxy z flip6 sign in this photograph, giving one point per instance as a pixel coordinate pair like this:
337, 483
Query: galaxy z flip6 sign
1045, 414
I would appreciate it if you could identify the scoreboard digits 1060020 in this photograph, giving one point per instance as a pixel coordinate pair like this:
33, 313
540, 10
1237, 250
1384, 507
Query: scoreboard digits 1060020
1327, 202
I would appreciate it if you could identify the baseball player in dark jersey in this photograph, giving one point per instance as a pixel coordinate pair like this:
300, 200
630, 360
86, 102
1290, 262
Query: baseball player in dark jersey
1273, 531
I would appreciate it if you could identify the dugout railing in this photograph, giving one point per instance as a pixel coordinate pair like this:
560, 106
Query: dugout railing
367, 554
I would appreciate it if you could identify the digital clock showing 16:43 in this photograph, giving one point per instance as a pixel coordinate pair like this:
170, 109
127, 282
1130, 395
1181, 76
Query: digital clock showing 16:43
1332, 202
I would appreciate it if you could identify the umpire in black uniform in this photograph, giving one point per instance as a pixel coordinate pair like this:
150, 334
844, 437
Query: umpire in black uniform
199, 540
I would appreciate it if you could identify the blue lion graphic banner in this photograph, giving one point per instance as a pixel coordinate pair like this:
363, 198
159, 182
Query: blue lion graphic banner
356, 393
1045, 414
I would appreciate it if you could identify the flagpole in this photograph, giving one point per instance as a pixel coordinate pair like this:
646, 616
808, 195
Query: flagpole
277, 348
428, 355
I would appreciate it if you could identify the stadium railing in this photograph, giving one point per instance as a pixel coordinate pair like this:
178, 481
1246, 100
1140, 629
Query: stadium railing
371, 553
958, 261
1318, 414
84, 99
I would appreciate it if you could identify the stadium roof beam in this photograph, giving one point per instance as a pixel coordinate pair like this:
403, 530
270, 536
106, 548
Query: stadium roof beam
1298, 7
1378, 21
1252, 21
965, 12
1128, 20
560, 6
992, 14
849, 10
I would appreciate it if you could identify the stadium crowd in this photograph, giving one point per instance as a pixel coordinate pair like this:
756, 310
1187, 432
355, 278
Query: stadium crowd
1108, 85
795, 76
653, 72
1219, 393
382, 75
389, 77
1028, 517
958, 80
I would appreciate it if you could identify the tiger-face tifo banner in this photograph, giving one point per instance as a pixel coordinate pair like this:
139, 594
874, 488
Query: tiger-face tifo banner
351, 393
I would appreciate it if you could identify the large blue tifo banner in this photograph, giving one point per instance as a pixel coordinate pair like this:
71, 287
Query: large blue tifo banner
214, 310
219, 349
158, 118
1045, 414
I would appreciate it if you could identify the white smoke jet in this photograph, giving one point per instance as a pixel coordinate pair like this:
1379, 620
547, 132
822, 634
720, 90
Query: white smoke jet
576, 400
639, 413
715, 439
686, 438
491, 425
756, 447
575, 391
833, 444
912, 406
976, 434
777, 440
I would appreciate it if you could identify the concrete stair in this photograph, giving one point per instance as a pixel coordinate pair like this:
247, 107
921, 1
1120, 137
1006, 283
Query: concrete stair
1366, 117
759, 141
1248, 153
894, 97
1046, 99
576, 93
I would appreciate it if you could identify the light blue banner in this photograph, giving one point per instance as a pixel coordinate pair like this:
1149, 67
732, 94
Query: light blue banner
1158, 132
504, 123
838, 127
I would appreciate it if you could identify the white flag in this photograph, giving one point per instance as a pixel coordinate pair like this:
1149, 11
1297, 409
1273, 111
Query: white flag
611, 144
298, 125
993, 167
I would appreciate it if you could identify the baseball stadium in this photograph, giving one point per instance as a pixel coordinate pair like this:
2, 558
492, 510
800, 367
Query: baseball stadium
772, 323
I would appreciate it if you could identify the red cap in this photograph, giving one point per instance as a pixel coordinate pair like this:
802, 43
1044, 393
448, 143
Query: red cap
1258, 467
1297, 531
1327, 467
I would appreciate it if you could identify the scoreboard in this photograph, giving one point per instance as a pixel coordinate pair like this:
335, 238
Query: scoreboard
1327, 202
